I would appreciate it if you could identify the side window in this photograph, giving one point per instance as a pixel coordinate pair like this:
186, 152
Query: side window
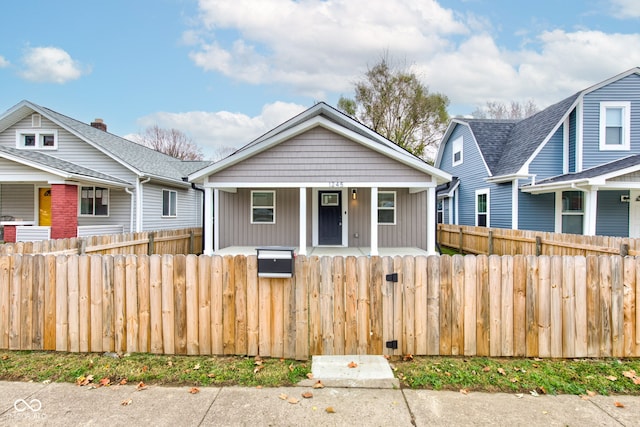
482, 208
36, 139
263, 207
169, 203
457, 152
572, 212
387, 207
94, 201
615, 126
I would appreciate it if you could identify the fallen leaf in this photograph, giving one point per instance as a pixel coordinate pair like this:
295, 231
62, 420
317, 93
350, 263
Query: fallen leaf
629, 374
123, 381
591, 393
291, 368
194, 390
464, 391
259, 387
307, 395
408, 357
534, 393
145, 368
105, 381
636, 380
386, 356
126, 402
611, 378
352, 364
293, 400
330, 410
283, 396
170, 363
520, 395
258, 369
5, 357
211, 375
514, 380
448, 374
195, 368
141, 386
537, 359
501, 371
486, 369
318, 384
310, 375
618, 404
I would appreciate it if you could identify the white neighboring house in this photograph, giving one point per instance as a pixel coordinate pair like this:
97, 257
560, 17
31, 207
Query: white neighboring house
62, 178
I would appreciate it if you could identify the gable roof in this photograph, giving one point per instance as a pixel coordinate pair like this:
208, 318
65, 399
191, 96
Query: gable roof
141, 160
326, 116
507, 146
58, 166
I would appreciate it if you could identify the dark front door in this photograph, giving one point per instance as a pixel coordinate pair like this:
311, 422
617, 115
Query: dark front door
330, 218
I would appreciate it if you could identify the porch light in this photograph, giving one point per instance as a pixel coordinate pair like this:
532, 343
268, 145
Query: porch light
354, 194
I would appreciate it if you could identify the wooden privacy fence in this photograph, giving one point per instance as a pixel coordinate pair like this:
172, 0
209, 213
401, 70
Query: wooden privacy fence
440, 305
183, 241
503, 241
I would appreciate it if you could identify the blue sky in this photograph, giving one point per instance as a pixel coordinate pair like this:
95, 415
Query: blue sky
226, 71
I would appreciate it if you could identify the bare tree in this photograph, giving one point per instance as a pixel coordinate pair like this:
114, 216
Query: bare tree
172, 142
394, 103
500, 110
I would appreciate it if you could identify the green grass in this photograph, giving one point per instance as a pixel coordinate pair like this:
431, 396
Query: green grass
511, 375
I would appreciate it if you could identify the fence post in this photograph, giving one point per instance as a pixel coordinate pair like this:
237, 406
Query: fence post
191, 242
624, 250
82, 246
538, 246
490, 242
460, 240
150, 247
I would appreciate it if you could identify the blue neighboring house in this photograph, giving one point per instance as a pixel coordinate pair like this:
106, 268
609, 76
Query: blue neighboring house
573, 167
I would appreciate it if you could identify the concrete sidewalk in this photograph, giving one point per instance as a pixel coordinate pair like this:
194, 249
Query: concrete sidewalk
60, 404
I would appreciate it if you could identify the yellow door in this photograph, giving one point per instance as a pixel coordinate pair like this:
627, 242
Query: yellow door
44, 203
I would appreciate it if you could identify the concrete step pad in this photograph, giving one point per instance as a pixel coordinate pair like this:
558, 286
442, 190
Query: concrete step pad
357, 371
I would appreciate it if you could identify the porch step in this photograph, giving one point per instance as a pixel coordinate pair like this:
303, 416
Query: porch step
356, 371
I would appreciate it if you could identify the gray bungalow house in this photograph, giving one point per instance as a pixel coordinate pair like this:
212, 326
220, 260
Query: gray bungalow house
574, 167
320, 179
63, 178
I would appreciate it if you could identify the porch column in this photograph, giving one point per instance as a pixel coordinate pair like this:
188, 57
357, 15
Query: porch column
208, 219
591, 212
64, 211
374, 221
302, 249
216, 220
431, 220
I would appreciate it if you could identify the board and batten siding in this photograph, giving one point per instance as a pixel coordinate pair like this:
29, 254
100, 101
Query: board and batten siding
612, 218
319, 155
188, 209
410, 229
625, 89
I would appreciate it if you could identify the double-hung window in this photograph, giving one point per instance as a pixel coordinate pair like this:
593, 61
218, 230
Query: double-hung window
457, 152
572, 212
387, 207
482, 208
615, 125
169, 203
263, 207
94, 201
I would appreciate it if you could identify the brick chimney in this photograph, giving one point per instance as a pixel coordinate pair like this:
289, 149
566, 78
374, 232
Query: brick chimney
99, 124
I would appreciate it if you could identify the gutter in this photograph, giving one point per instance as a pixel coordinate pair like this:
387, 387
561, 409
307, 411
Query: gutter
193, 185
139, 200
132, 214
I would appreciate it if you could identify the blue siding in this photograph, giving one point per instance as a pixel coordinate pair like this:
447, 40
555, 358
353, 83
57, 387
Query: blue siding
572, 141
613, 215
472, 173
536, 212
626, 89
500, 205
548, 162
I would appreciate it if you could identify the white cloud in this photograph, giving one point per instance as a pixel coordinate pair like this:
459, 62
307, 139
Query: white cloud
50, 65
626, 9
218, 131
3, 62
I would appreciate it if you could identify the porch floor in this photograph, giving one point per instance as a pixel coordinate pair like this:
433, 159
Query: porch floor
330, 251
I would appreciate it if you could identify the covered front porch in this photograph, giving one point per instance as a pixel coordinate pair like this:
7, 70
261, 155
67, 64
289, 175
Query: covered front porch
331, 251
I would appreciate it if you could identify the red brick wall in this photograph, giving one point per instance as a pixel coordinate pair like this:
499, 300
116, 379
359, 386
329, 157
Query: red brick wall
64, 211
10, 233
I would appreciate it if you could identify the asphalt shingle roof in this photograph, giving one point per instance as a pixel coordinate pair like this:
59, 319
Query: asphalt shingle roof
59, 164
604, 169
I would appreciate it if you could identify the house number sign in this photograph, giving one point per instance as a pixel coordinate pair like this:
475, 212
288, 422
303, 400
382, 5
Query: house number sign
336, 184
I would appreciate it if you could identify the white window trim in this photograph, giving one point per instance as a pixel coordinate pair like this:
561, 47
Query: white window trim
20, 133
457, 143
268, 207
395, 205
560, 211
176, 206
92, 215
626, 125
488, 213
440, 209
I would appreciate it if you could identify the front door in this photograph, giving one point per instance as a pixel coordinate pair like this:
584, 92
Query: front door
44, 206
634, 213
330, 218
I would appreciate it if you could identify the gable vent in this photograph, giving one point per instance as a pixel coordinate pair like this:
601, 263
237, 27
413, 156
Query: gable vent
36, 120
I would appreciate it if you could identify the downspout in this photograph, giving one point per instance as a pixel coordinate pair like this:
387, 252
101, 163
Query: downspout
132, 214
139, 185
193, 185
